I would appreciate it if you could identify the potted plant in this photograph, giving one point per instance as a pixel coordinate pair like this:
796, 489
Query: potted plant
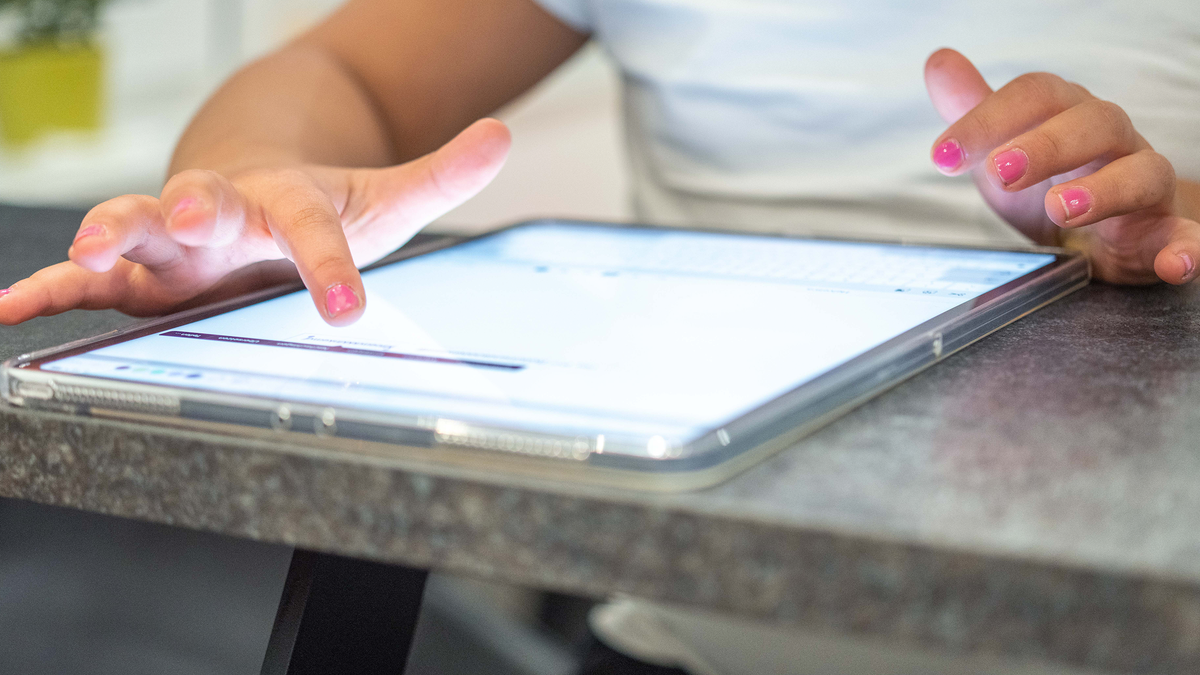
51, 74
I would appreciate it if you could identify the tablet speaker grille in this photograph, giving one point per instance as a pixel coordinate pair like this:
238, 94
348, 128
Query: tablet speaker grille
116, 400
518, 444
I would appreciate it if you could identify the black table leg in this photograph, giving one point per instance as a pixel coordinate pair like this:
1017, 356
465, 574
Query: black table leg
340, 615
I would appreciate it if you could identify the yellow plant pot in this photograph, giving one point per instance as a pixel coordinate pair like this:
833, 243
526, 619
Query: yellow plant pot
49, 87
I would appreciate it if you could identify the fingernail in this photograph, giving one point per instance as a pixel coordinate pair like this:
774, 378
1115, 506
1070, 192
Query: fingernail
1076, 201
339, 299
948, 156
1011, 165
184, 204
89, 231
5, 291
1189, 266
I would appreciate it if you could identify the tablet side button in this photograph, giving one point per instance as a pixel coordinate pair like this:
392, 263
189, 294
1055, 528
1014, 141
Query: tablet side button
282, 419
326, 424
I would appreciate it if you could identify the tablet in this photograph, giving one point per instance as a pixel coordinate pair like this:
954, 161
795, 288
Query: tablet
644, 357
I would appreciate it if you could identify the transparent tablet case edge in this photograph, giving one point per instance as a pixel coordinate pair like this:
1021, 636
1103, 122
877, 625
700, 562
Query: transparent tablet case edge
888, 365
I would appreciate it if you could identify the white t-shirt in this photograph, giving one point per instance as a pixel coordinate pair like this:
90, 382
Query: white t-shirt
812, 116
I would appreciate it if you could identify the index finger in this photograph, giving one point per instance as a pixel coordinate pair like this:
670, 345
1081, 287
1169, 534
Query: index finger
308, 229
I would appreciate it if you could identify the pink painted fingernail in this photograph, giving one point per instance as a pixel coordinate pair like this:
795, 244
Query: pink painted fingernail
5, 291
1189, 266
184, 204
1011, 165
948, 156
90, 230
1076, 201
339, 299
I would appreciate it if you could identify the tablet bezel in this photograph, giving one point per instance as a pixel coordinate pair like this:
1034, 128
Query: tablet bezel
704, 460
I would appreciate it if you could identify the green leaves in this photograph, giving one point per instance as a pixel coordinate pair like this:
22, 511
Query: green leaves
55, 21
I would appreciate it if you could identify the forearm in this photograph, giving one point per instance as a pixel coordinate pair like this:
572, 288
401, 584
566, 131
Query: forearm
378, 82
299, 105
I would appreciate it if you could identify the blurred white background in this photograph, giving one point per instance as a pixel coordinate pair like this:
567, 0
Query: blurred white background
166, 56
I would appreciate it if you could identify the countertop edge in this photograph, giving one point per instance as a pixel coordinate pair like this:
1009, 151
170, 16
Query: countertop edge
952, 600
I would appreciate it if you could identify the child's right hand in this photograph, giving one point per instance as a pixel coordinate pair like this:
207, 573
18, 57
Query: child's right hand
147, 256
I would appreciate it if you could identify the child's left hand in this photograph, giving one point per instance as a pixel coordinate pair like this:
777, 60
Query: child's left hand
1046, 155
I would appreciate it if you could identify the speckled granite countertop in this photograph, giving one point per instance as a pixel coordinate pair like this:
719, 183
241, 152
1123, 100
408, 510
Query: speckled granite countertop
1037, 495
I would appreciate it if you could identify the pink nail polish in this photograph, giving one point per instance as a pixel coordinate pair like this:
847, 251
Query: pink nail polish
1189, 266
184, 204
948, 156
90, 230
1076, 201
339, 299
5, 291
1011, 165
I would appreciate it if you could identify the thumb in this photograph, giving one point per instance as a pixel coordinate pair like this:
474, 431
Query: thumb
415, 193
954, 84
384, 208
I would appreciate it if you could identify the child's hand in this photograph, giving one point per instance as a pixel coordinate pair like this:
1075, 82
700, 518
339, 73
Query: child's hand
1046, 154
147, 256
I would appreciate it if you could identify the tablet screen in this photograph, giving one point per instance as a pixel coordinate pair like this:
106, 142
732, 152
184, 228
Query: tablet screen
577, 329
